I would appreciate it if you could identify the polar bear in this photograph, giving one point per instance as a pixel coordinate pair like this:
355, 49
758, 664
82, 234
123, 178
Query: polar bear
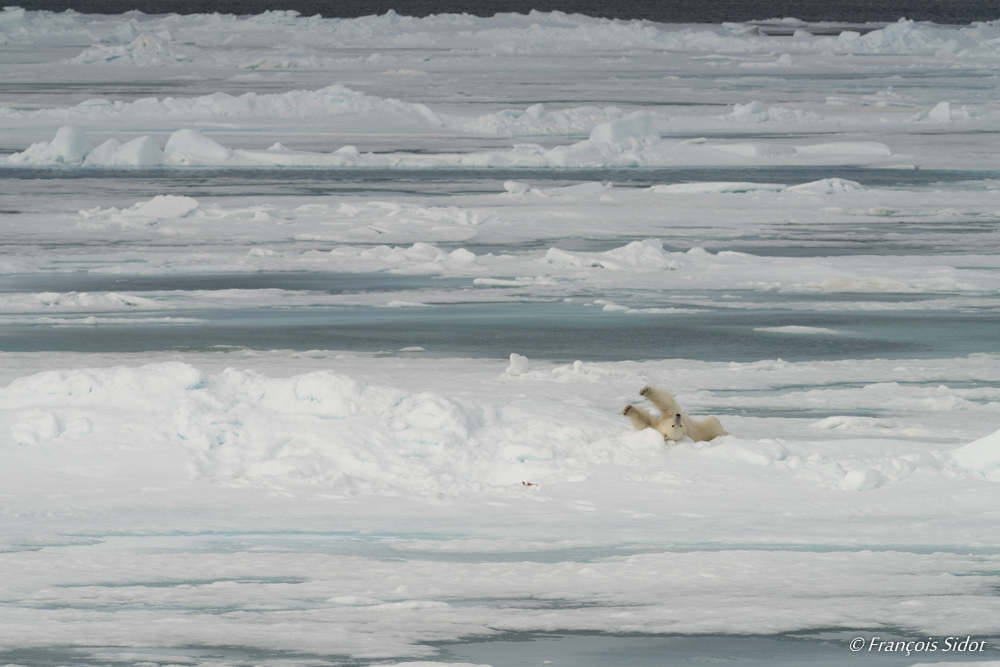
672, 422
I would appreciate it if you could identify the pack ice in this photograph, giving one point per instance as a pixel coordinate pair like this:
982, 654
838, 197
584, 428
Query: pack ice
316, 335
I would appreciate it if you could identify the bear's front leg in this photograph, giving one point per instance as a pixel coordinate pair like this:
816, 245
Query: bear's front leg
640, 418
663, 400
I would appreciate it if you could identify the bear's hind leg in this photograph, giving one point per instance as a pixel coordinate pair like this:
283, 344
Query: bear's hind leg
710, 428
640, 418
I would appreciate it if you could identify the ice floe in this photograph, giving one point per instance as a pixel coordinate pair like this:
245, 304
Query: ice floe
630, 142
372, 503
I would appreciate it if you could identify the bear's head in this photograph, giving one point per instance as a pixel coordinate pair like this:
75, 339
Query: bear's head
672, 430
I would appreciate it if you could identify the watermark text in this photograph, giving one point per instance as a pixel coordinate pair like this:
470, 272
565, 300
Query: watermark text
930, 645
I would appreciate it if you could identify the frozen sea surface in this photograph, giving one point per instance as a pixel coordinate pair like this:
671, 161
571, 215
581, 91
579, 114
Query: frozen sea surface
316, 335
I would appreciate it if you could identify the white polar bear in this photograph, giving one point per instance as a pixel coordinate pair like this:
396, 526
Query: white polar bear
672, 422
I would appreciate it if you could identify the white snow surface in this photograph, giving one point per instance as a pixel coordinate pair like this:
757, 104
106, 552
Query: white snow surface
406, 443
277, 506
981, 456
340, 78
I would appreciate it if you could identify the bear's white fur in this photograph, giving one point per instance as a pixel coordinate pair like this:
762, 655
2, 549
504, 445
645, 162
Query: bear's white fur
672, 422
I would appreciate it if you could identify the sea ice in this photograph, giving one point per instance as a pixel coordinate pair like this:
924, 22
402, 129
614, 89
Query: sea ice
815, 214
981, 456
792, 329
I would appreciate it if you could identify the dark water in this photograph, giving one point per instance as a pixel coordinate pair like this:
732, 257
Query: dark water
787, 650
665, 11
817, 649
217, 182
557, 331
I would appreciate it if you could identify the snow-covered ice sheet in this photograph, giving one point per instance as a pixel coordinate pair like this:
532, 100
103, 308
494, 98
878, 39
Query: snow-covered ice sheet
315, 334
408, 84
632, 141
399, 473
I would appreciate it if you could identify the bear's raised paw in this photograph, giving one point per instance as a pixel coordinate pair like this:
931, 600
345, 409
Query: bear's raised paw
627, 410
648, 389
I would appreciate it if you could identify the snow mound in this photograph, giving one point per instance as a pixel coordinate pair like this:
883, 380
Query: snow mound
645, 255
192, 147
518, 365
864, 479
162, 206
73, 301
981, 457
941, 112
12, 18
634, 130
749, 109
760, 453
34, 428
629, 142
793, 329
828, 186
326, 103
240, 428
146, 50
536, 120
755, 113
70, 146
420, 258
907, 37
849, 423
140, 152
